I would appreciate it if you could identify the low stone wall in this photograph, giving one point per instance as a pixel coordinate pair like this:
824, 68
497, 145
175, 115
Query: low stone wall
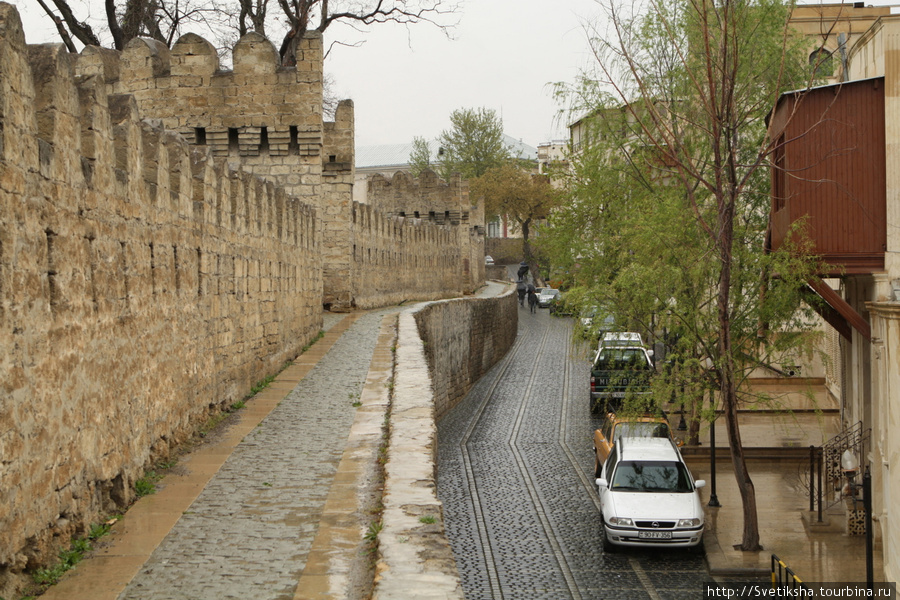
416, 560
504, 251
464, 338
498, 272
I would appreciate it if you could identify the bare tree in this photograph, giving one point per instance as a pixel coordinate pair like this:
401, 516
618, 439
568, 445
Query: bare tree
161, 20
164, 20
319, 15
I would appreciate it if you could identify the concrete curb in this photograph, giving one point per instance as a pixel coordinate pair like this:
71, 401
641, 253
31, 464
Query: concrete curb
337, 557
415, 557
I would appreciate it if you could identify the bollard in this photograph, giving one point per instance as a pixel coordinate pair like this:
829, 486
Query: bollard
819, 492
867, 507
812, 470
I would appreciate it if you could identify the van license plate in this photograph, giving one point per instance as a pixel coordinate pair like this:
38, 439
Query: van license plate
655, 535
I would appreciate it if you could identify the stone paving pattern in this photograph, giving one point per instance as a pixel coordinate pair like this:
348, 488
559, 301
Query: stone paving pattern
515, 476
249, 532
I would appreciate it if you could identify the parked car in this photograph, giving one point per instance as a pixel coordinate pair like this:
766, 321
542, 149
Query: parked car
621, 338
648, 497
589, 319
546, 296
559, 307
615, 427
488, 260
622, 367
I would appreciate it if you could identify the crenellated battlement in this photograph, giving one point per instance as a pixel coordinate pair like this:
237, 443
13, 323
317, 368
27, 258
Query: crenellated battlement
139, 280
425, 197
169, 233
80, 134
260, 114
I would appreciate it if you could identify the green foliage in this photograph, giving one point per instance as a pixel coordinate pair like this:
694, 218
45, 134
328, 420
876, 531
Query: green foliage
522, 196
668, 200
145, 485
373, 531
473, 144
420, 156
69, 557
318, 337
98, 530
427, 519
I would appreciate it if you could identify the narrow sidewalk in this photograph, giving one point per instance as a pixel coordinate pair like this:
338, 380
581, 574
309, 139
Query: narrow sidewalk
132, 541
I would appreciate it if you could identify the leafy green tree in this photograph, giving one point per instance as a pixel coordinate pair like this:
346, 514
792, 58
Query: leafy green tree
521, 195
666, 226
473, 144
419, 156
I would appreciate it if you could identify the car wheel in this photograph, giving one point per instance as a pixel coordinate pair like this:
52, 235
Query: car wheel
608, 547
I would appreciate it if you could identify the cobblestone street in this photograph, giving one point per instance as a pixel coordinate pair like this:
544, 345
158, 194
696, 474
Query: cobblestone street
515, 476
249, 532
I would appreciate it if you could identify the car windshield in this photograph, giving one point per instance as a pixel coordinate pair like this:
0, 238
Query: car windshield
651, 476
619, 359
641, 429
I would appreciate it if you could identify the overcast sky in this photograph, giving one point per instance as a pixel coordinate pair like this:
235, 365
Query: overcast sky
504, 55
405, 81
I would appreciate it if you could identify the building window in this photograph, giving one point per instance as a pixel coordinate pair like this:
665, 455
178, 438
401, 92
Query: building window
820, 62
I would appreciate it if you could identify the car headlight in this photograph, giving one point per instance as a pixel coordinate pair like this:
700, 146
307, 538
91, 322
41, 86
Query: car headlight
688, 522
621, 522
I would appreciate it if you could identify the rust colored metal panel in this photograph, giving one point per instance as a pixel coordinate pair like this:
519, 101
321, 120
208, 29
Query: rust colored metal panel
828, 173
838, 304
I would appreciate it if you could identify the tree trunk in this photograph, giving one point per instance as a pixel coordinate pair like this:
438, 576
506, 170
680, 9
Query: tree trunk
750, 539
529, 257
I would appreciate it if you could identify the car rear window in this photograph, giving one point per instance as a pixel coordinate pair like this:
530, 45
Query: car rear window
642, 429
621, 359
651, 476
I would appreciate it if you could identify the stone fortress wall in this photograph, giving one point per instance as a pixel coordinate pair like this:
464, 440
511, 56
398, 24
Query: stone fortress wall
430, 200
153, 268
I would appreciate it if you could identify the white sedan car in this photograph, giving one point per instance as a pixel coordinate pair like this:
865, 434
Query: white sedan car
648, 497
546, 296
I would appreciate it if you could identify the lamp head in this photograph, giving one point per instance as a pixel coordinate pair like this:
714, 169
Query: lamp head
849, 462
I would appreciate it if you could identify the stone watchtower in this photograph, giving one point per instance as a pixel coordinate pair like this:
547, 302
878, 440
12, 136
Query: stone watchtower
260, 117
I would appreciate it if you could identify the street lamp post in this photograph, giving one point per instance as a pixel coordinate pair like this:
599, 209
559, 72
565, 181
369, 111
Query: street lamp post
713, 498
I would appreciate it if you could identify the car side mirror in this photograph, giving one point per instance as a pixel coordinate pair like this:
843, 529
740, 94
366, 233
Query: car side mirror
700, 483
650, 353
601, 483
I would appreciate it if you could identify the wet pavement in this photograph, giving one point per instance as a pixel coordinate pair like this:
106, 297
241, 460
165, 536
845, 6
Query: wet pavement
238, 518
515, 474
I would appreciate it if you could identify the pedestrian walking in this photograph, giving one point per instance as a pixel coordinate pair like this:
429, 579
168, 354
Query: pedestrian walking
532, 299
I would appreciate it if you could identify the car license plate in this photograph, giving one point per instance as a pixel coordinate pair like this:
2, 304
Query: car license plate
618, 394
655, 535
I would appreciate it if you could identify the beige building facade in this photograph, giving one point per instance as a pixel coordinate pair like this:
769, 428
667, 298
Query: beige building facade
863, 45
